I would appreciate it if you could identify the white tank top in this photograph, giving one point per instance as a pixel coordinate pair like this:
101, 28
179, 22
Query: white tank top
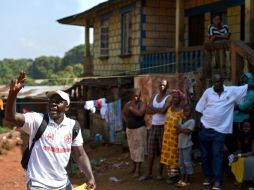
158, 119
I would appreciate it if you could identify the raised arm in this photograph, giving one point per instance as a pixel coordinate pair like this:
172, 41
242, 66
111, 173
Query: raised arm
83, 161
10, 112
139, 112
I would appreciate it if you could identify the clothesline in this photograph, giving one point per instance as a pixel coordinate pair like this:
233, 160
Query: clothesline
119, 73
46, 102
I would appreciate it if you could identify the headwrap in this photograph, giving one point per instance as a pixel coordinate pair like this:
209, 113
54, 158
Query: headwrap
178, 93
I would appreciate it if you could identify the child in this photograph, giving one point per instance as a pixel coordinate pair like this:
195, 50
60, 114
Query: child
186, 127
242, 165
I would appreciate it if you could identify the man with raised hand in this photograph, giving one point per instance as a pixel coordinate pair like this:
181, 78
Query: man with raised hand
51, 152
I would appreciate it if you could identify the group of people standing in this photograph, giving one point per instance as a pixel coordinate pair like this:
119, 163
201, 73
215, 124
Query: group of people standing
170, 136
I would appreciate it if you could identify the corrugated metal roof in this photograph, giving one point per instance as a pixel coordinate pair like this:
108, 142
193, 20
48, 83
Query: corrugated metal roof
32, 91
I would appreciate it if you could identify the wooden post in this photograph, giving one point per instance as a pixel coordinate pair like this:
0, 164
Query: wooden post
179, 33
88, 71
87, 43
249, 19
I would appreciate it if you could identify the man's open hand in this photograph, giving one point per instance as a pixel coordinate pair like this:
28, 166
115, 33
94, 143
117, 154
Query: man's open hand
17, 84
91, 184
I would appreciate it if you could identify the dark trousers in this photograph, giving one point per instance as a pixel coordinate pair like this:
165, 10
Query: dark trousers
1, 117
231, 139
211, 144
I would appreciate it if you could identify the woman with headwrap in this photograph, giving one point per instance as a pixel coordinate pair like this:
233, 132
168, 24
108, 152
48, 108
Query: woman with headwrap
169, 153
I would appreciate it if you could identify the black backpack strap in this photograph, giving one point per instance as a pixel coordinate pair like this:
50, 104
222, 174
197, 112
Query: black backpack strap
75, 130
27, 153
41, 129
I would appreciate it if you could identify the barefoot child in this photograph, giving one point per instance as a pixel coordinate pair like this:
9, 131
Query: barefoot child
186, 127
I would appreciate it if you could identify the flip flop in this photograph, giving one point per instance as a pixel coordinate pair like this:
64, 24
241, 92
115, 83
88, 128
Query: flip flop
216, 188
181, 184
145, 178
159, 177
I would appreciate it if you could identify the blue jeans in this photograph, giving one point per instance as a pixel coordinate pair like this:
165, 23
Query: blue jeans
211, 144
185, 163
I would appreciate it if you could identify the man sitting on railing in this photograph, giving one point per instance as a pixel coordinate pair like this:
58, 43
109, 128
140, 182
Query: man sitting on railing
217, 30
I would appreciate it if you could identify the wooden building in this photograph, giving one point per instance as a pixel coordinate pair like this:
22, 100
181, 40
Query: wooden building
154, 39
157, 36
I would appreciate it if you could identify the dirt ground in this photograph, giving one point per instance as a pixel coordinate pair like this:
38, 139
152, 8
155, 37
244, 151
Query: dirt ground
108, 161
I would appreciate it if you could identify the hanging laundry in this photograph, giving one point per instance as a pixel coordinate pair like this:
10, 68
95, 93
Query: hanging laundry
114, 119
90, 106
104, 112
104, 109
100, 102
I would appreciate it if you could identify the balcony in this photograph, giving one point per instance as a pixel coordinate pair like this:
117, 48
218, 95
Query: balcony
190, 59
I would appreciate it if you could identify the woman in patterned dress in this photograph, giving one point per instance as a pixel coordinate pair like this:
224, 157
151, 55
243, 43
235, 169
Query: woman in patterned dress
169, 153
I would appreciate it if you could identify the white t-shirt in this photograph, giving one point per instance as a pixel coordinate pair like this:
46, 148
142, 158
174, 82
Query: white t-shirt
218, 110
51, 152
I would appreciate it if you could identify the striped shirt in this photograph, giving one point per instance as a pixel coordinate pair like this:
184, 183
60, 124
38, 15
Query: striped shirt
212, 30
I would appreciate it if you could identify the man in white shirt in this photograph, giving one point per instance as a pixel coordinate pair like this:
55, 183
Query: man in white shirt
216, 107
51, 153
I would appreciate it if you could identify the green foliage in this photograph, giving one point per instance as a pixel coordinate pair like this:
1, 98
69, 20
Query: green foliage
58, 70
44, 67
73, 56
9, 68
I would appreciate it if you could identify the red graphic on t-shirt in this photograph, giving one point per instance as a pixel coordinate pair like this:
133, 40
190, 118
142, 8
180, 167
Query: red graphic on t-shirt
50, 137
67, 138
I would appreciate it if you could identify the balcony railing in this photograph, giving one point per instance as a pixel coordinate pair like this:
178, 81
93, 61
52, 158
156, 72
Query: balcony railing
229, 58
159, 62
190, 59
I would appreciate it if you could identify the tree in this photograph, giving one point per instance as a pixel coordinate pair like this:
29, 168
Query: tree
43, 67
57, 70
9, 68
73, 56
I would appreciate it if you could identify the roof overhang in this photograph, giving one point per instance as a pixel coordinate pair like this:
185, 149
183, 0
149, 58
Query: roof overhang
87, 17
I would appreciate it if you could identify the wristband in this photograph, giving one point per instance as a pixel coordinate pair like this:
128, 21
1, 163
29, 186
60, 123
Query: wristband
239, 155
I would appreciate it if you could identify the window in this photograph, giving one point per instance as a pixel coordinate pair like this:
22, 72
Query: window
104, 37
126, 33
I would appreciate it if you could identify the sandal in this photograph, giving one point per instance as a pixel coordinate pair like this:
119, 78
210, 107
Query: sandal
145, 178
173, 172
159, 177
181, 184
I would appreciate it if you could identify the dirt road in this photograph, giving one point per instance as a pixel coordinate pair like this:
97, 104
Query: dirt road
115, 164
